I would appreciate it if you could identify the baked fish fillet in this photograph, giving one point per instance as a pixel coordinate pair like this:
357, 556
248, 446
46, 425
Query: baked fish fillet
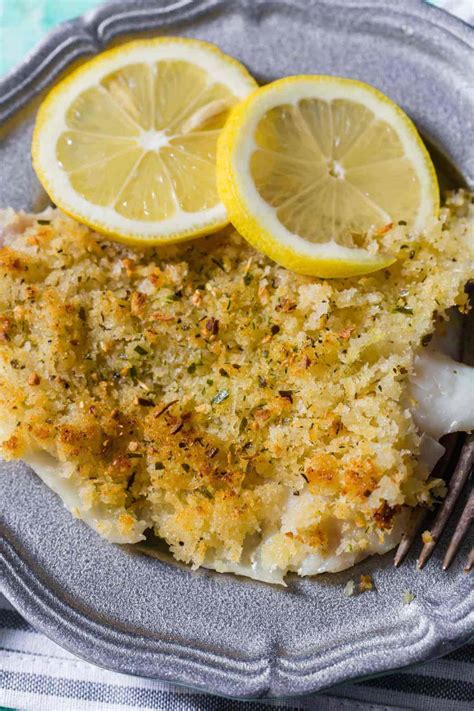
258, 421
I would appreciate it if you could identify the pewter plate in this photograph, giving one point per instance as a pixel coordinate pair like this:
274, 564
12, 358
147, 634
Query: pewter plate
155, 618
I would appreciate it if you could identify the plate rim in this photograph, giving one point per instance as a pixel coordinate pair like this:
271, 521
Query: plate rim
89, 33
73, 629
66, 625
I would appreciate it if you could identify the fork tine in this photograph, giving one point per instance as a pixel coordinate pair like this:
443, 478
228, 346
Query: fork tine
418, 515
470, 561
466, 460
461, 529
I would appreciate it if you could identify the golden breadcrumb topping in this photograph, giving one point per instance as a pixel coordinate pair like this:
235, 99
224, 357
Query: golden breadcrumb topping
200, 387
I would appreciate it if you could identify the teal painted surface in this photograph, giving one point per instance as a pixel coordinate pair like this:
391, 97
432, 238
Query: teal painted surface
23, 23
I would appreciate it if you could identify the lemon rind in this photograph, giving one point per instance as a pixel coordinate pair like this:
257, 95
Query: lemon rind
302, 256
50, 122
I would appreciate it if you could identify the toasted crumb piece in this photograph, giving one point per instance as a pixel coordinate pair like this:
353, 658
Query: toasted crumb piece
366, 583
426, 537
196, 298
106, 346
204, 408
34, 379
129, 265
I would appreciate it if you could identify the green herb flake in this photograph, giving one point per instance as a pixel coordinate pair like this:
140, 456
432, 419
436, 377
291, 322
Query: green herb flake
44, 222
220, 397
191, 368
408, 597
140, 350
247, 279
159, 466
223, 372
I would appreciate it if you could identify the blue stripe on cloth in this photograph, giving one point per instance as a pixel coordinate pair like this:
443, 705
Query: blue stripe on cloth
135, 698
448, 689
9, 619
463, 654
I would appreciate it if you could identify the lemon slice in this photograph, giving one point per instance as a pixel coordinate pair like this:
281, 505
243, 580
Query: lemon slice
127, 142
312, 169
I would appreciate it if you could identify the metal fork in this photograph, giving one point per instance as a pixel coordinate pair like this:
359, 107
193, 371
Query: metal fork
460, 456
455, 485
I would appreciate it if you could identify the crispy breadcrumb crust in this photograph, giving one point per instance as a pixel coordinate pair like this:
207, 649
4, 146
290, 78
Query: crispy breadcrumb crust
201, 387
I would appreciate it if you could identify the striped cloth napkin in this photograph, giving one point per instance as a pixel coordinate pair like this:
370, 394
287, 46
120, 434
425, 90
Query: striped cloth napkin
37, 675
